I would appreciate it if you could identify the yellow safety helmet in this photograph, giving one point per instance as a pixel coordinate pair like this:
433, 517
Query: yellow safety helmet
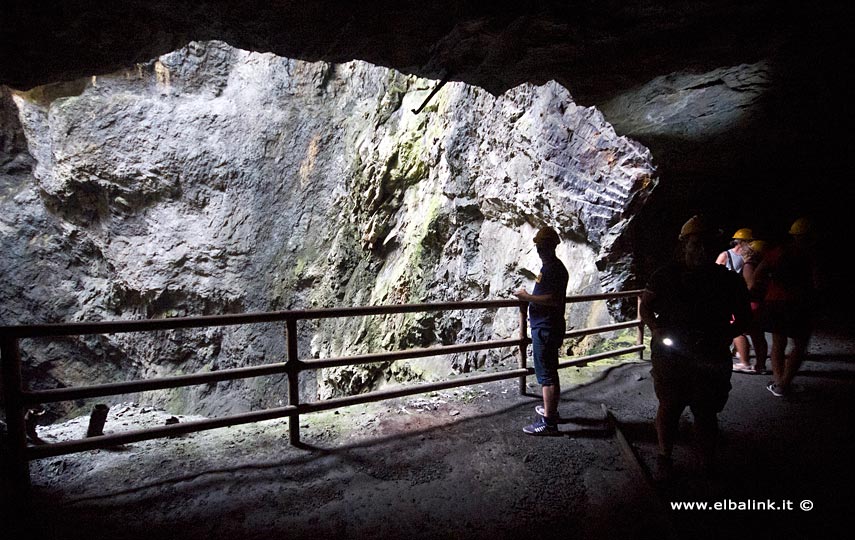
744, 234
547, 235
697, 225
800, 226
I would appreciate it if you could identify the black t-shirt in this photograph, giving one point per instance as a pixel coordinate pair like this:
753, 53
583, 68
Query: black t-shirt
553, 280
708, 304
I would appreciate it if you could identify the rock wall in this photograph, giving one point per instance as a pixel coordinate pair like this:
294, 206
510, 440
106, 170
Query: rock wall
215, 180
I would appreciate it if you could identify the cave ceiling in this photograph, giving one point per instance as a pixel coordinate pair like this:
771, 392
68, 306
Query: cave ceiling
598, 50
595, 49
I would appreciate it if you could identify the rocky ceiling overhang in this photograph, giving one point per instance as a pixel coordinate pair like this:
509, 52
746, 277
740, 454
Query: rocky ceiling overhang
594, 48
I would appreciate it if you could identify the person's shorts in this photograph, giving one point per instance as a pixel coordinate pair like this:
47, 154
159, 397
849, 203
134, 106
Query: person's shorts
681, 382
792, 319
545, 344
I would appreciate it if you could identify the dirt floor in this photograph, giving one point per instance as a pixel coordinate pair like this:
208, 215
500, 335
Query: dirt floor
456, 464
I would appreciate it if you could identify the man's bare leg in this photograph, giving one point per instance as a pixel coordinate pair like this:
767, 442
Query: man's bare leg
761, 350
667, 422
743, 350
706, 430
794, 361
779, 346
550, 400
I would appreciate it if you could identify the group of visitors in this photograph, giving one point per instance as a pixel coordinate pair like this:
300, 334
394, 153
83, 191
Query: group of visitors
699, 307
781, 281
697, 310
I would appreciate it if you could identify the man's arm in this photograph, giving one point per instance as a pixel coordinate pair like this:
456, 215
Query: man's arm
542, 299
645, 311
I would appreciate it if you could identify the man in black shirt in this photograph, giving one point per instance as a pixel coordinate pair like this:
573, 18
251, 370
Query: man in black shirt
694, 308
546, 320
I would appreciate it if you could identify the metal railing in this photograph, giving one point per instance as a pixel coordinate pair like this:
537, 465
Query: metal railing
18, 399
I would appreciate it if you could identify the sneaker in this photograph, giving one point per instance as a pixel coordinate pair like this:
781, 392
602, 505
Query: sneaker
739, 366
541, 428
776, 389
539, 410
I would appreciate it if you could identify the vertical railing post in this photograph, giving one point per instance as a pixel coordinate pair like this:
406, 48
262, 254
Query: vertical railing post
523, 343
17, 466
640, 340
292, 368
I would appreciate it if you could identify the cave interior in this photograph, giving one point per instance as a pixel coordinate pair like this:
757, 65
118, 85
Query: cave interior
787, 159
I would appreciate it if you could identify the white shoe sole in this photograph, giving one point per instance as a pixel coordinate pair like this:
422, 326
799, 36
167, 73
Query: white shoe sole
539, 410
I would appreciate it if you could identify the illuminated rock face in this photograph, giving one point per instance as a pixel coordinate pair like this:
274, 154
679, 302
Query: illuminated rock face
214, 180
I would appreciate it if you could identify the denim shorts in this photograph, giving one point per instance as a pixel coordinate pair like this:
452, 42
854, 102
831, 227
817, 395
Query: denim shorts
545, 344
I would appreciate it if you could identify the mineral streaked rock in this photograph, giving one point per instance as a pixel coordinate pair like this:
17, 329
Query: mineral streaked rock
215, 180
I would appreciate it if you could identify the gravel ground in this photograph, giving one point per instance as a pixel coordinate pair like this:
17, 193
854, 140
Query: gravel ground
456, 465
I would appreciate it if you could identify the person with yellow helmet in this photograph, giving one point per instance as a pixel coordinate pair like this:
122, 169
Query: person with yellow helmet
787, 276
753, 254
758, 246
800, 227
734, 259
694, 308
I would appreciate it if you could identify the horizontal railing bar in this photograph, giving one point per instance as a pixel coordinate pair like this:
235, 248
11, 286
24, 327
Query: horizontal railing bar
70, 394
173, 323
112, 389
602, 296
410, 353
582, 360
115, 439
601, 329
